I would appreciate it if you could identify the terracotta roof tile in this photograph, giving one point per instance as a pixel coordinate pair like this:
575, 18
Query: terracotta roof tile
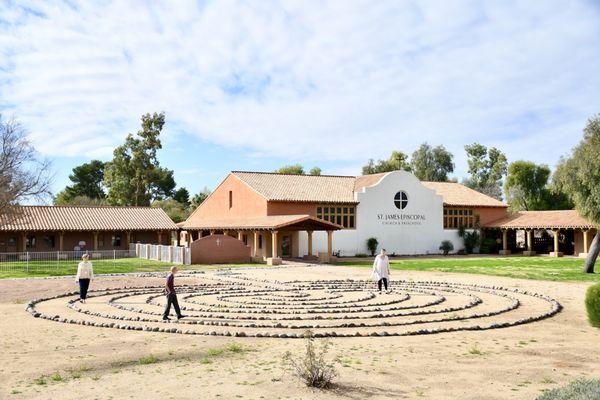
301, 188
456, 194
266, 222
556, 219
88, 218
341, 189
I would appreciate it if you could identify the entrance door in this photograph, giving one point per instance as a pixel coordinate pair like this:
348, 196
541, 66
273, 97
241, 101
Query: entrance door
286, 246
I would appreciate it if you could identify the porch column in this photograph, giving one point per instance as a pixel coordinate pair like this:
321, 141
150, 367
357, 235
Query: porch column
505, 251
190, 238
24, 241
329, 243
585, 240
529, 252
159, 237
61, 236
212, 232
95, 240
226, 233
556, 253
255, 244
274, 244
239, 235
127, 239
310, 249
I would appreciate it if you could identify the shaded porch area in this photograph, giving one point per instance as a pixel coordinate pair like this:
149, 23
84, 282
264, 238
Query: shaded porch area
554, 232
269, 239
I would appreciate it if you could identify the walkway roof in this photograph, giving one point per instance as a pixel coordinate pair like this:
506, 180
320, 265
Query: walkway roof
270, 222
553, 219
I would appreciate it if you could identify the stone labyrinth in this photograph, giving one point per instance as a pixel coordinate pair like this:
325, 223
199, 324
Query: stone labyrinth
230, 304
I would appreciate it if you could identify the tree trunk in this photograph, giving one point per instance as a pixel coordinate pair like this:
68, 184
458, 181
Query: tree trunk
588, 266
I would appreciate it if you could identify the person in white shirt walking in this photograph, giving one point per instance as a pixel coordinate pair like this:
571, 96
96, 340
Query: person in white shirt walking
85, 274
381, 270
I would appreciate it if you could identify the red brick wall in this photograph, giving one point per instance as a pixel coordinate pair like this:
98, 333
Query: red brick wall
217, 249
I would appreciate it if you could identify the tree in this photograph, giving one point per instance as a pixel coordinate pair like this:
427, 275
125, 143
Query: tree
134, 176
175, 210
315, 171
199, 198
87, 182
61, 199
486, 169
22, 174
397, 161
293, 169
182, 196
432, 163
525, 186
579, 176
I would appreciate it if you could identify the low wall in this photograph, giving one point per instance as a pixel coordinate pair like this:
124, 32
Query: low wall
218, 249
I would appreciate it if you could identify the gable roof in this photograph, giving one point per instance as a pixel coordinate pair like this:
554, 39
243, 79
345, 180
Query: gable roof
552, 219
456, 194
341, 189
300, 188
87, 218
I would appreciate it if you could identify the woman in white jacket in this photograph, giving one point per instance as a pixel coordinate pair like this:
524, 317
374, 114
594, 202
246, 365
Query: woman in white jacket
85, 274
381, 270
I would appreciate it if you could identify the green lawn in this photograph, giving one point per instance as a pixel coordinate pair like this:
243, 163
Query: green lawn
22, 269
540, 268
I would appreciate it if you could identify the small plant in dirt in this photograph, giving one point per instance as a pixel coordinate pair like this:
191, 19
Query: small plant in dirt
446, 247
40, 380
582, 389
372, 244
236, 348
151, 359
56, 377
313, 367
474, 350
592, 304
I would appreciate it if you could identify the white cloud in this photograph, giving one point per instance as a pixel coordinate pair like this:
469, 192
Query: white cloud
337, 81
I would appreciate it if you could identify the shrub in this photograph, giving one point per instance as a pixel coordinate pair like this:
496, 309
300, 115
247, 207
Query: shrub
151, 359
592, 304
312, 367
372, 244
360, 255
446, 247
470, 238
582, 389
489, 246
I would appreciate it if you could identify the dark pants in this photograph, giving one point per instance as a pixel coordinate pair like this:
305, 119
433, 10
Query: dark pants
84, 284
172, 299
383, 281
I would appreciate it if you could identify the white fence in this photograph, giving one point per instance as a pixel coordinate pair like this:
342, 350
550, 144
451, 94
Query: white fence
65, 262
170, 254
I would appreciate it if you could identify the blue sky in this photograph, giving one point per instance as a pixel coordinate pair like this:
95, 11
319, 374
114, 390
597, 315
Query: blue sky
253, 85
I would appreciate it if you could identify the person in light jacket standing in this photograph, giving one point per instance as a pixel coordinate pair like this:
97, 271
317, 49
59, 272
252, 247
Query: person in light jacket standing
85, 274
381, 270
171, 296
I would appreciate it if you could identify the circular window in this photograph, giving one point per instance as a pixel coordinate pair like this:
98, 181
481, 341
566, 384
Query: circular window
401, 200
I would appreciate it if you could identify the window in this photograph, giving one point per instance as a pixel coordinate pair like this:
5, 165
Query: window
341, 215
30, 241
116, 240
230, 199
49, 240
456, 217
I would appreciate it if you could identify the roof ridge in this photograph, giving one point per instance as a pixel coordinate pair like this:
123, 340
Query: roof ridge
81, 206
287, 174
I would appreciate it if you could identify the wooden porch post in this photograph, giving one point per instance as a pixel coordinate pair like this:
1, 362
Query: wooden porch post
504, 239
95, 240
585, 240
274, 244
61, 236
239, 235
255, 244
529, 237
127, 239
159, 237
310, 243
556, 253
329, 243
24, 241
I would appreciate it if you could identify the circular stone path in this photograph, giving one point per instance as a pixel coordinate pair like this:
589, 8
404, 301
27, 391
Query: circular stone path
230, 304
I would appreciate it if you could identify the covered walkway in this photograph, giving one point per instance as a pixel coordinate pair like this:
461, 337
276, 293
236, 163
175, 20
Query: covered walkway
564, 224
270, 238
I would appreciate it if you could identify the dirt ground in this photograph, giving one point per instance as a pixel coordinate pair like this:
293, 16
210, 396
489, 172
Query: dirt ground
42, 359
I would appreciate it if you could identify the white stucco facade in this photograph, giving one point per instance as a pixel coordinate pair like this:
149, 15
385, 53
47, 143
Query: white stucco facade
403, 215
